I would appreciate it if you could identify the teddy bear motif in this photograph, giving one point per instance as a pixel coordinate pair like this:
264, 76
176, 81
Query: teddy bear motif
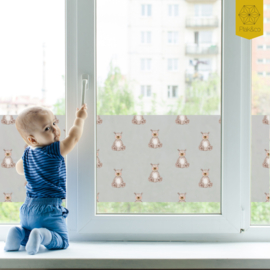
205, 144
182, 197
7, 120
182, 120
99, 164
118, 144
97, 197
138, 197
118, 181
266, 160
8, 197
155, 142
138, 120
266, 120
8, 162
182, 161
205, 180
267, 197
99, 120
155, 176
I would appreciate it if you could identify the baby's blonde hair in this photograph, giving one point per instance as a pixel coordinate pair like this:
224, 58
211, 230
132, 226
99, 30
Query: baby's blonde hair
25, 118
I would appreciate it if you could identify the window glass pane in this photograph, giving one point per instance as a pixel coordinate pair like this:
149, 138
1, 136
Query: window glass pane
32, 70
143, 166
260, 177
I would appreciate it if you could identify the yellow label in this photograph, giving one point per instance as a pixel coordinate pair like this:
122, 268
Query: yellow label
249, 18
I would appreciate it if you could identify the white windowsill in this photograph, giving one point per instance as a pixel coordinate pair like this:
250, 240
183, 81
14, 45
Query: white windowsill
143, 255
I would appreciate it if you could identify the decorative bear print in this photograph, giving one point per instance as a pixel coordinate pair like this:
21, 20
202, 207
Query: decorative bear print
8, 162
99, 164
99, 120
205, 144
182, 197
118, 144
266, 120
8, 120
205, 180
97, 197
138, 197
155, 142
182, 161
8, 197
182, 120
267, 197
138, 120
155, 176
266, 160
118, 181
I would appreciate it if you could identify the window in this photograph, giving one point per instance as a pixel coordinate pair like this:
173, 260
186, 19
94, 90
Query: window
205, 37
146, 10
267, 33
267, 47
266, 7
146, 90
146, 37
260, 47
260, 61
146, 64
172, 37
260, 73
172, 64
173, 10
203, 10
172, 91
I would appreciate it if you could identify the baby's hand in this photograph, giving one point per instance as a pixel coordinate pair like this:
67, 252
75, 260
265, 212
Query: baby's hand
82, 113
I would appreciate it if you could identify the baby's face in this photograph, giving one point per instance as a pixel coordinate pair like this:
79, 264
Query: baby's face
46, 131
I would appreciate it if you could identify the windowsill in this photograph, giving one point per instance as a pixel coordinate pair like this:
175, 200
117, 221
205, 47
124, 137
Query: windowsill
143, 255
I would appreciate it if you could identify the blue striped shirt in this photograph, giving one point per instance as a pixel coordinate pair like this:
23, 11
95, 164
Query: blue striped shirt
45, 171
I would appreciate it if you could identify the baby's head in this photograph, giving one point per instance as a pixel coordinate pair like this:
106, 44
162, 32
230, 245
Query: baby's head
37, 126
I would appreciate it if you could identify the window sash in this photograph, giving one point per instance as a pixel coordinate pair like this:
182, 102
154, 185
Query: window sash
81, 162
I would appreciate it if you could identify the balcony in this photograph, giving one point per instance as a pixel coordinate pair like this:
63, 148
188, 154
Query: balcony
201, 49
201, 1
202, 22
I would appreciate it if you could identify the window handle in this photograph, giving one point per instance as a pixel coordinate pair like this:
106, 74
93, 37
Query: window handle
85, 84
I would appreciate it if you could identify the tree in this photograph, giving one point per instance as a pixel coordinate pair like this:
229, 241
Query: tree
116, 97
201, 98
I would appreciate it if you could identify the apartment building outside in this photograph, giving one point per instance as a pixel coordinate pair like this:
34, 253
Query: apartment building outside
170, 44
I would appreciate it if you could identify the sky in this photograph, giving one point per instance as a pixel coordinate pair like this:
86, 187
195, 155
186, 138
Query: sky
26, 25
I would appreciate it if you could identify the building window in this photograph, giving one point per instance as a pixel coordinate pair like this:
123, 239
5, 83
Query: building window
173, 11
267, 60
268, 47
268, 34
146, 10
203, 10
205, 37
260, 61
172, 37
260, 47
260, 73
146, 37
146, 64
146, 90
172, 91
266, 6
172, 64
267, 74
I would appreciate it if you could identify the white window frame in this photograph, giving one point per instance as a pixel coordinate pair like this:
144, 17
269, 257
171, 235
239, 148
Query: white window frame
145, 37
173, 63
172, 8
83, 223
144, 88
146, 10
172, 37
170, 91
146, 63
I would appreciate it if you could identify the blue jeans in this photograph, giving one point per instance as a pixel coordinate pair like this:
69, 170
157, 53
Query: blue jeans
45, 213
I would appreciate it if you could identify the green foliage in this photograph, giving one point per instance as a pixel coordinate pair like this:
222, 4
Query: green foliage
201, 98
59, 107
116, 97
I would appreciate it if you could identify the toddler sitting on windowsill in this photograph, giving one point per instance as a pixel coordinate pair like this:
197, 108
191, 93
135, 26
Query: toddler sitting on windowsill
42, 217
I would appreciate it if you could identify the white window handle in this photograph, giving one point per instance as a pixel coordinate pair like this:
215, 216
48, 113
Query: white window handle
85, 79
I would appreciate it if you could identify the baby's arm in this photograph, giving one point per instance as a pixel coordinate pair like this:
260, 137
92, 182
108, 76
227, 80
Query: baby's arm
19, 167
75, 132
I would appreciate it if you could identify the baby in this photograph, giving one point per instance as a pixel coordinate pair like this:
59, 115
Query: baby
42, 216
